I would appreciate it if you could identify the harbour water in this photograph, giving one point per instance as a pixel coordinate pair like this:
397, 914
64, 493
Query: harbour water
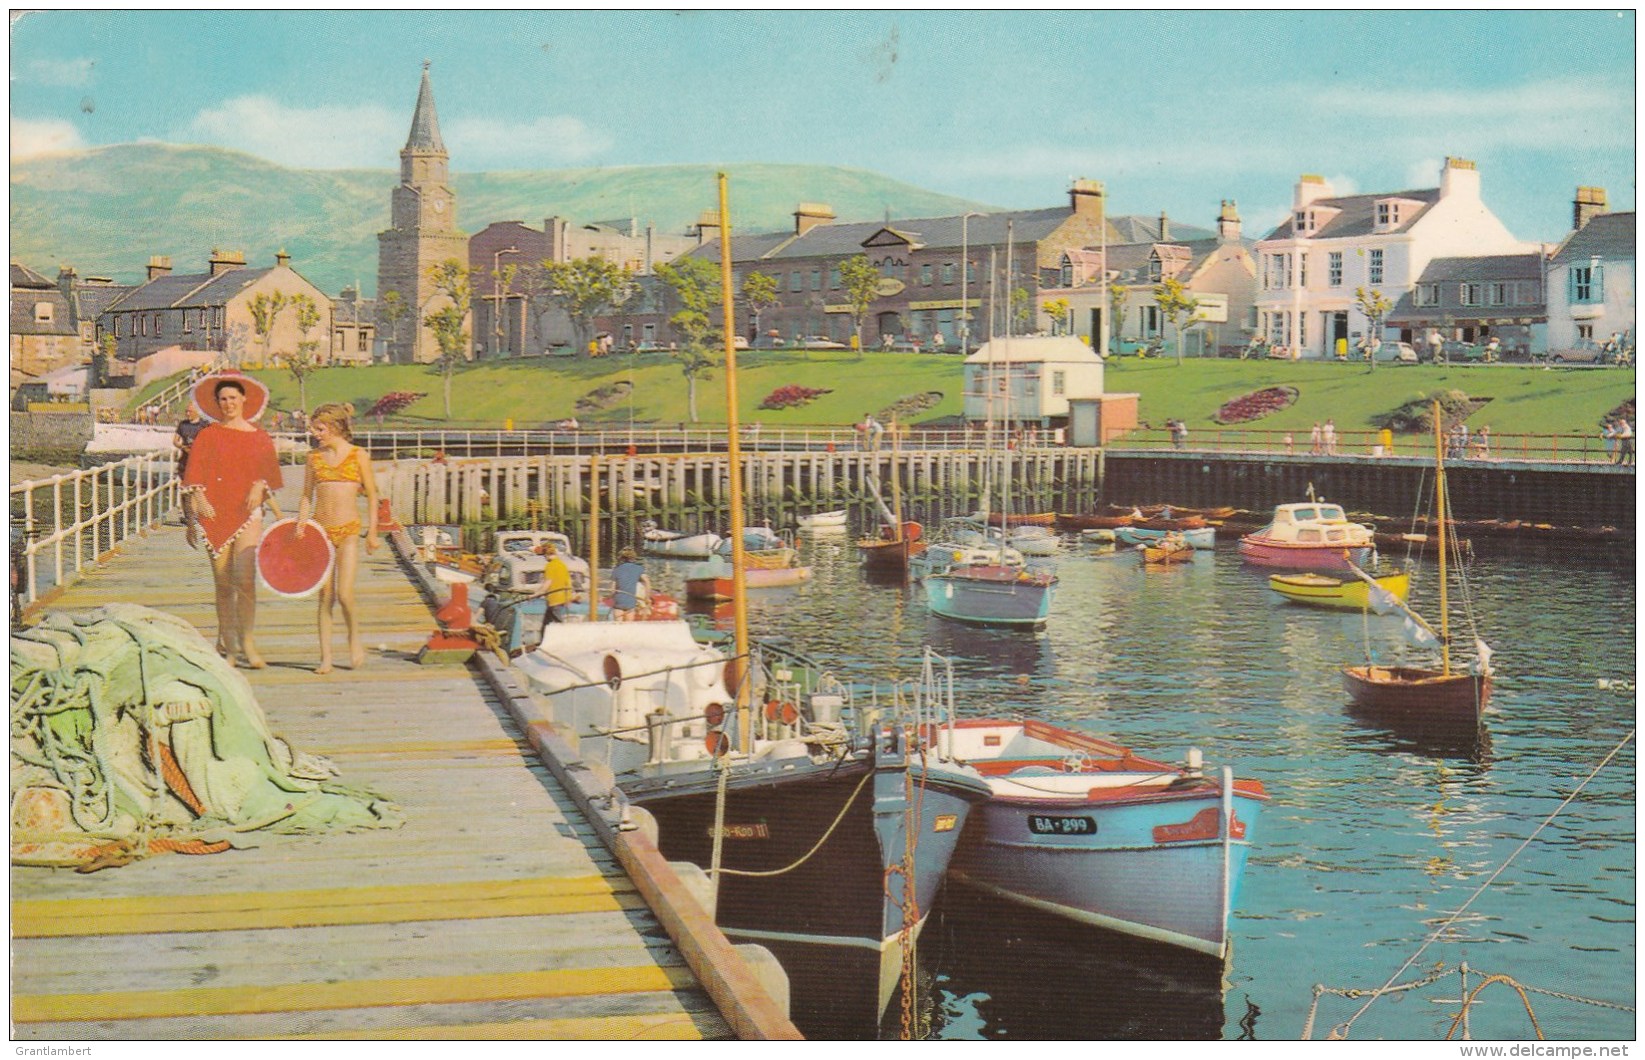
1373, 836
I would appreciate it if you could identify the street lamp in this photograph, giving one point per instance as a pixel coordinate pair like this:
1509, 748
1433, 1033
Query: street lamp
498, 295
965, 270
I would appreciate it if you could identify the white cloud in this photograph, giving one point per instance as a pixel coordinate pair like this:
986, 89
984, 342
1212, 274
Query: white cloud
58, 73
550, 140
31, 138
327, 137
1542, 115
1423, 173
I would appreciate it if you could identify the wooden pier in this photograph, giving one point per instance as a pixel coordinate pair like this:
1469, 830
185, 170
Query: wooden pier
500, 909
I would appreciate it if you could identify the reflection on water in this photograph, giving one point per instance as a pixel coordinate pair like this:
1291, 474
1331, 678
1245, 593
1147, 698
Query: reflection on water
1374, 832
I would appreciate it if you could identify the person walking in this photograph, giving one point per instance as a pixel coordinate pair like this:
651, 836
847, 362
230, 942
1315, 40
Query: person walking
1316, 439
1609, 434
556, 586
338, 473
1328, 434
182, 441
1624, 441
232, 470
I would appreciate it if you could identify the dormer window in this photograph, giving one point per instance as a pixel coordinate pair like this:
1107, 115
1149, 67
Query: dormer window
1388, 214
1156, 271
1067, 277
1305, 223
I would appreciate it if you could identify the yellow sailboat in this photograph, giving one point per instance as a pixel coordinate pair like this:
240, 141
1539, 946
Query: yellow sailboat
1347, 594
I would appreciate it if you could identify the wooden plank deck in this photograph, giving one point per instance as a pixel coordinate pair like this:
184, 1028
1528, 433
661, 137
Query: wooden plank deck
494, 912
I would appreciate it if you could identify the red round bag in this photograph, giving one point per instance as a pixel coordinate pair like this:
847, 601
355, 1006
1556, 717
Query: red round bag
295, 566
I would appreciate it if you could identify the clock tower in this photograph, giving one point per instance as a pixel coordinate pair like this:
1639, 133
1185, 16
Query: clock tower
423, 233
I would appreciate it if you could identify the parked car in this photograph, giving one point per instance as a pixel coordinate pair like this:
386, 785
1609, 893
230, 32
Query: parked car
821, 342
650, 347
1579, 355
738, 342
1397, 352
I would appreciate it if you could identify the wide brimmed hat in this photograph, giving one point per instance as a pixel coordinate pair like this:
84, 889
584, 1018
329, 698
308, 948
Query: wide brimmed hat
205, 395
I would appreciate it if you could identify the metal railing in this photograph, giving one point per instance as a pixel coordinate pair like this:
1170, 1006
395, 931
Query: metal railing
70, 522
1229, 441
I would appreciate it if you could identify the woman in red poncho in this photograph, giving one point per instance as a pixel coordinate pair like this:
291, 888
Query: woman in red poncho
232, 469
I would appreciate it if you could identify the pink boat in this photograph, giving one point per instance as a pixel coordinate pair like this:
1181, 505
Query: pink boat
1312, 535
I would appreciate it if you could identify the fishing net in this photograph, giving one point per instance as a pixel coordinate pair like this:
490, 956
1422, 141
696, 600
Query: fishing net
130, 737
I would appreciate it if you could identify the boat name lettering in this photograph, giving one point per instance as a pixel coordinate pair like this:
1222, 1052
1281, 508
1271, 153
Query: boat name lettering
945, 822
1040, 824
742, 831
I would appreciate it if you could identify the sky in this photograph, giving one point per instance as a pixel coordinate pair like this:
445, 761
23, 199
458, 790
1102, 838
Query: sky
1173, 111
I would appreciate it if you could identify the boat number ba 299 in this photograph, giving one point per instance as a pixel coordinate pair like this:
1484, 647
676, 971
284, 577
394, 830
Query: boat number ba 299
1039, 824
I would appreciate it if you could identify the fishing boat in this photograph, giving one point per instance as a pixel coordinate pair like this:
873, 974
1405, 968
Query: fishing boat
755, 539
1166, 552
955, 547
1347, 594
1426, 694
712, 579
898, 540
1204, 537
678, 545
1086, 829
825, 829
1081, 523
1022, 519
1309, 536
1168, 523
823, 520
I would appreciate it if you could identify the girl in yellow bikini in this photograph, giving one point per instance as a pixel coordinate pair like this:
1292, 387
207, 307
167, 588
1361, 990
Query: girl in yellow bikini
338, 473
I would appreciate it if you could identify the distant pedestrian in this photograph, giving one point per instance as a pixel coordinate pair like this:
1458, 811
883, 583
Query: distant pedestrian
1316, 439
1328, 434
1290, 446
1609, 434
1482, 443
1624, 441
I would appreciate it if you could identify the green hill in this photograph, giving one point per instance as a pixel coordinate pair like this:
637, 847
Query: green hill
107, 210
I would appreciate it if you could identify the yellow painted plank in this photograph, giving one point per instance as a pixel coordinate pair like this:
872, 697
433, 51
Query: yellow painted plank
150, 914
365, 993
417, 750
647, 1027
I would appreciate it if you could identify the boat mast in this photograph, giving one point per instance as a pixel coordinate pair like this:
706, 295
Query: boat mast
739, 583
593, 537
1439, 513
1010, 311
896, 486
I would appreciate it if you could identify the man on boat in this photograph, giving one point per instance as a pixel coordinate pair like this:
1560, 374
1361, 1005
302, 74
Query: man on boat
556, 587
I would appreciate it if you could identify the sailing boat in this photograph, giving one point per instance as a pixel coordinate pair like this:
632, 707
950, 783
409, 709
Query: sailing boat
1419, 693
823, 828
899, 541
994, 592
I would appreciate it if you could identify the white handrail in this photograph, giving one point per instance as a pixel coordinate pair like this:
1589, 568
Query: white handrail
108, 503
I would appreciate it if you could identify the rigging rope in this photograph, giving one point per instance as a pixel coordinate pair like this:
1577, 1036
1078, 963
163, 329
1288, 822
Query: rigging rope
1341, 1030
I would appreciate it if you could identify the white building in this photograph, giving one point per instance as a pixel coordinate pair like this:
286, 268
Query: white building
1028, 381
1591, 276
1309, 268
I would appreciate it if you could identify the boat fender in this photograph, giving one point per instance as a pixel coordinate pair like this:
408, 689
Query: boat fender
959, 556
781, 710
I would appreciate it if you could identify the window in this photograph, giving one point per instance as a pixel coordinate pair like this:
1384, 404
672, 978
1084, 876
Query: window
816, 279
1387, 214
948, 272
365, 341
142, 324
1301, 223
970, 272
1427, 294
1156, 270
1468, 293
43, 312
1376, 266
186, 326
1587, 283
1059, 382
1496, 294
925, 276
1150, 320
1302, 329
1302, 270
1066, 277
834, 278
1333, 268
796, 281
116, 327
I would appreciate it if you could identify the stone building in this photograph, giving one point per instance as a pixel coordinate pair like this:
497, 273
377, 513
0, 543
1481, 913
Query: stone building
353, 328
1591, 293
212, 311
1470, 300
423, 233
44, 333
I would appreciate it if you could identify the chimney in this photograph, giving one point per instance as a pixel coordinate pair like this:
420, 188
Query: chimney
555, 228
282, 260
159, 266
650, 246
1164, 228
225, 261
1228, 226
65, 278
1310, 187
1588, 204
809, 215
1088, 198
1459, 177
708, 226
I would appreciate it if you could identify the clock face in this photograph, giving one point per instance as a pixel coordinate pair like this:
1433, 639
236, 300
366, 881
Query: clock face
439, 204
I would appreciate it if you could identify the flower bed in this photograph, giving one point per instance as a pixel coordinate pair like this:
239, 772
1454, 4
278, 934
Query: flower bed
392, 402
792, 397
1256, 404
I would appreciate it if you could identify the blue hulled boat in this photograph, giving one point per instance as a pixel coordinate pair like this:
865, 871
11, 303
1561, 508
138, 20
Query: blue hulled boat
992, 594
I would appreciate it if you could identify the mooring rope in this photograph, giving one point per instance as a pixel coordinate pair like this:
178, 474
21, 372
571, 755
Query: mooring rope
1341, 1029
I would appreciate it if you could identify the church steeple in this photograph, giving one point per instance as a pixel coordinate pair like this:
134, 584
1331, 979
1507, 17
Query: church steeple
425, 123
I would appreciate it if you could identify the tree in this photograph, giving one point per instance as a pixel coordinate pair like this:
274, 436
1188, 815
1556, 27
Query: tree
696, 283
586, 288
1175, 303
393, 309
1117, 293
1022, 310
502, 285
303, 363
760, 292
1376, 307
860, 281
101, 358
265, 308
1059, 311
450, 278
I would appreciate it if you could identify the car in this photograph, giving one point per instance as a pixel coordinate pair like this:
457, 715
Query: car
1397, 352
649, 347
1579, 355
821, 342
739, 343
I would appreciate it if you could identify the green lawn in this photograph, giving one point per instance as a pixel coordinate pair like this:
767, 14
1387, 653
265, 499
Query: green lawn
1525, 400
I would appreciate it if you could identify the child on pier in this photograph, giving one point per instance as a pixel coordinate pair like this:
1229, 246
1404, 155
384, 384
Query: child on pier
338, 472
